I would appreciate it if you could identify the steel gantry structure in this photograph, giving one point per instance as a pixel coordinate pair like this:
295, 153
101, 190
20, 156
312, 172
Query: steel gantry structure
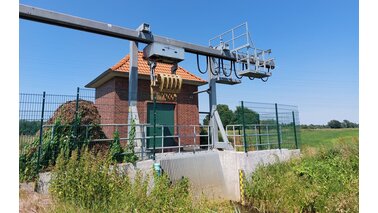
214, 55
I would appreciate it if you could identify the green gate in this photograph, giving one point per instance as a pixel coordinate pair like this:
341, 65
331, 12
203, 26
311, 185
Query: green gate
164, 116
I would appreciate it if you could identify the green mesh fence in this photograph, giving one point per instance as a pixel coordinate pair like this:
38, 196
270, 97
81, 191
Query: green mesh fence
261, 126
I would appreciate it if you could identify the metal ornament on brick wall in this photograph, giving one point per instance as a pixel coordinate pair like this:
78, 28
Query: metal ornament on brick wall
166, 87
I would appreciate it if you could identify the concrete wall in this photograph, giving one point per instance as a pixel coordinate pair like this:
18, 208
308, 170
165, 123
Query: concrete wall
216, 173
203, 169
212, 173
232, 162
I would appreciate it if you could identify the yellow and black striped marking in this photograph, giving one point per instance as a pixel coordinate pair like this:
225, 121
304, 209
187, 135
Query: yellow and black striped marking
241, 183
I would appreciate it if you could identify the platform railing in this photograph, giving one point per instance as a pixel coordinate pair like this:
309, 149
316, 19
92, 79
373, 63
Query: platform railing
182, 138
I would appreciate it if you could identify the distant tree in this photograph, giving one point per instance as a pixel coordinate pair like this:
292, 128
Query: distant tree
250, 116
206, 120
348, 124
28, 127
354, 125
334, 124
226, 115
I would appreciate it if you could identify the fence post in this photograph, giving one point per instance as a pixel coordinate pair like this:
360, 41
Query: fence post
76, 119
278, 128
244, 133
259, 122
40, 131
154, 110
295, 131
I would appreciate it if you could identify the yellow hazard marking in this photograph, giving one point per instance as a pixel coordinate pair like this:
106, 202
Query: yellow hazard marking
241, 183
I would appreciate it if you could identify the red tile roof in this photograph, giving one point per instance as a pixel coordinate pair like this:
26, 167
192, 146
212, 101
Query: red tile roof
143, 71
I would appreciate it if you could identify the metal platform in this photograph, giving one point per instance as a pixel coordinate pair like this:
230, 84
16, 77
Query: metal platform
269, 64
255, 74
225, 80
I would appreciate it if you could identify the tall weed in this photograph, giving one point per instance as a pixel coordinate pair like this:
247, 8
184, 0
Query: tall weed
92, 184
323, 182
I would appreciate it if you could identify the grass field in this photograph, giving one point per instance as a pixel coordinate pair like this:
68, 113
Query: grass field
316, 138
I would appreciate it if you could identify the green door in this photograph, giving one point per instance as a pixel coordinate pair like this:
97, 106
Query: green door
164, 116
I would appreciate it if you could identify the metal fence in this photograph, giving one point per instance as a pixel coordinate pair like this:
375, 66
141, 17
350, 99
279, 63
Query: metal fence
38, 115
258, 126
265, 126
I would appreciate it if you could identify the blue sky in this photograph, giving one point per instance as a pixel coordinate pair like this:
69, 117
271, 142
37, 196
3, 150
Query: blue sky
315, 44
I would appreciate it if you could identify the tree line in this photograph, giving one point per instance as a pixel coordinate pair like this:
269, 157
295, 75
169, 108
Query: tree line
28, 127
229, 117
333, 124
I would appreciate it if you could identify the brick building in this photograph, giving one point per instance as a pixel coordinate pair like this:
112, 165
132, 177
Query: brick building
112, 97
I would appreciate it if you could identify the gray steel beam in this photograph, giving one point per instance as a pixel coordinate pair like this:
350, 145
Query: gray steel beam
73, 22
133, 70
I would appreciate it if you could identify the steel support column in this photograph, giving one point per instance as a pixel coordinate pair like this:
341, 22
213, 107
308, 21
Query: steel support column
213, 101
215, 120
133, 94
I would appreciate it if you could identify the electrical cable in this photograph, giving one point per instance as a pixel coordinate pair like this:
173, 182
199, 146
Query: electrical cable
211, 70
224, 70
198, 66
236, 72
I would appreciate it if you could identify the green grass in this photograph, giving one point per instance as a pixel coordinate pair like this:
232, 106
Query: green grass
316, 138
91, 184
324, 179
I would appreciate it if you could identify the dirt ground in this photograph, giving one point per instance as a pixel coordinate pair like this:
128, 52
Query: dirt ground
30, 201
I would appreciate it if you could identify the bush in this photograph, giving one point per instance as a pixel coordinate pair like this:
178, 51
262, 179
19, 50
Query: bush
67, 135
324, 182
51, 146
91, 183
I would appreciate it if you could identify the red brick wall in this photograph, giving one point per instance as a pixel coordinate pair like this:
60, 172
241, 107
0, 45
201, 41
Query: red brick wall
105, 103
115, 92
187, 113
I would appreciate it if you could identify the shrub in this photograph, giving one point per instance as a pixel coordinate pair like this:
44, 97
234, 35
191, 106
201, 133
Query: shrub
67, 134
115, 148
